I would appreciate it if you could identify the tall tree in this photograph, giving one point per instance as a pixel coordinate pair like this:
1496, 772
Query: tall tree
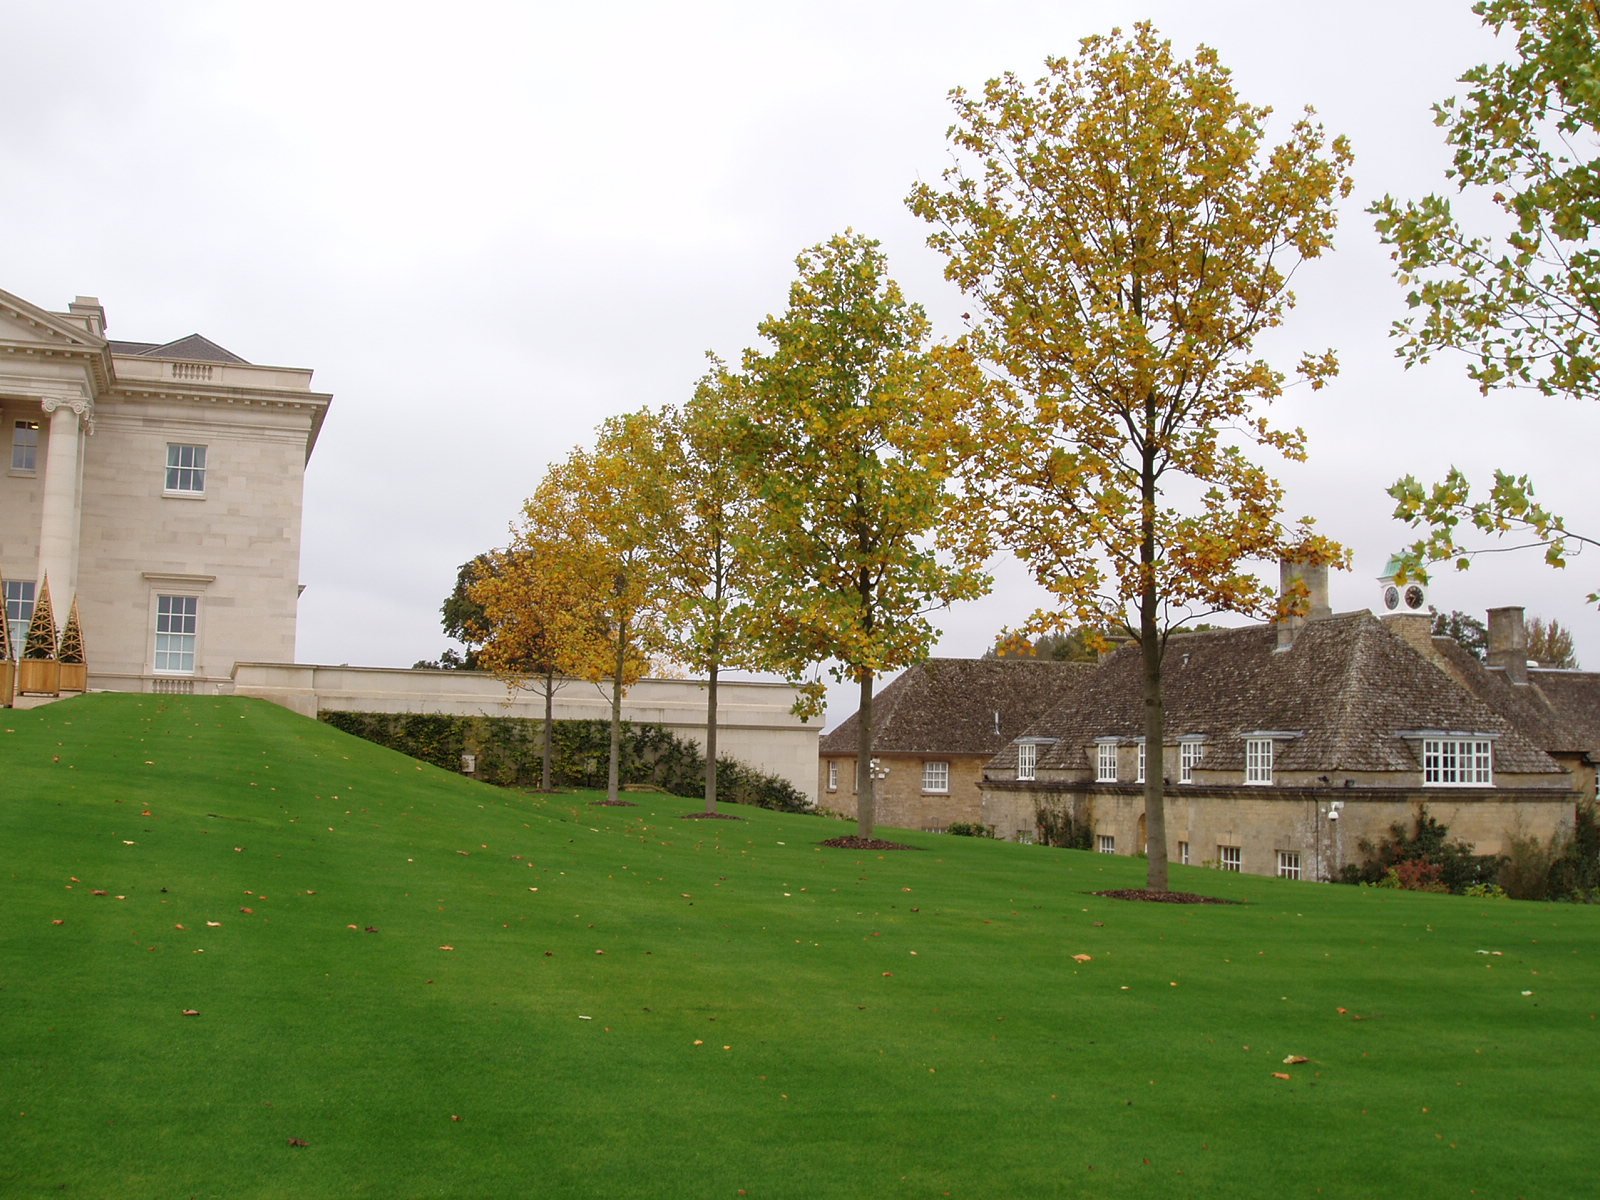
1126, 232
706, 517
536, 625
1522, 303
854, 435
1464, 628
1550, 644
590, 524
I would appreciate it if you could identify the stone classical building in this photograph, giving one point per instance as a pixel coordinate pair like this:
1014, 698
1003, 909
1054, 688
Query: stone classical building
934, 727
159, 486
1287, 745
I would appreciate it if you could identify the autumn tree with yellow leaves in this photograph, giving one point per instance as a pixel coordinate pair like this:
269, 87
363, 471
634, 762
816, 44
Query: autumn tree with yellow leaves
533, 626
1125, 231
701, 534
853, 437
579, 589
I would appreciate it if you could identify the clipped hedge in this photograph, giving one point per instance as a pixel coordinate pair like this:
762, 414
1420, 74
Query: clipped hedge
507, 752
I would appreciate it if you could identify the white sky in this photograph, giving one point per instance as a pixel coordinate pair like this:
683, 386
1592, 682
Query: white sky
487, 226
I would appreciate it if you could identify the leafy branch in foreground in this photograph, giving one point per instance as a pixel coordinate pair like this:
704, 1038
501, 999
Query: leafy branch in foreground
1522, 304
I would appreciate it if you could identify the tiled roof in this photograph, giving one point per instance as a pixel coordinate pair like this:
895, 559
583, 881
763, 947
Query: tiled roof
193, 348
953, 705
1574, 696
1347, 688
1528, 708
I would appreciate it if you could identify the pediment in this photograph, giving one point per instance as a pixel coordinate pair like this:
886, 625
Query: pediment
22, 323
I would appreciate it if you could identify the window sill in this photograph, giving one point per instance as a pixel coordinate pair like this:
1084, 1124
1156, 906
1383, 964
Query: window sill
182, 495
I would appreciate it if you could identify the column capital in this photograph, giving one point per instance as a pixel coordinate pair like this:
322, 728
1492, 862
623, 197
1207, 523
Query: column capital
77, 404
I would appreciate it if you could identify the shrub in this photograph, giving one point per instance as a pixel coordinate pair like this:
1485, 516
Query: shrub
1425, 859
969, 829
1064, 823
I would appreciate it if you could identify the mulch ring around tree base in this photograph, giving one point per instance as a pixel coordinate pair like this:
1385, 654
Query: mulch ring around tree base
1152, 897
709, 816
612, 804
861, 843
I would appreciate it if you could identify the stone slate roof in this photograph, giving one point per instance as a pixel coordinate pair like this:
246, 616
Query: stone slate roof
1528, 708
948, 705
193, 348
1347, 688
1574, 696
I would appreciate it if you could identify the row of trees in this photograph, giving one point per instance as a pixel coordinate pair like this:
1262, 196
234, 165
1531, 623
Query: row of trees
1124, 231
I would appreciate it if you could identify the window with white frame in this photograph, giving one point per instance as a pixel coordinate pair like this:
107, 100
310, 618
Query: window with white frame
1457, 762
177, 629
19, 611
1288, 864
1105, 762
1229, 858
1190, 756
936, 777
1183, 853
1106, 843
1027, 759
186, 469
25, 447
833, 776
1258, 760
1139, 778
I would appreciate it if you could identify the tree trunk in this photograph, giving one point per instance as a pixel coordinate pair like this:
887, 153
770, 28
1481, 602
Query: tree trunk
1150, 650
549, 729
613, 790
711, 740
866, 804
1154, 781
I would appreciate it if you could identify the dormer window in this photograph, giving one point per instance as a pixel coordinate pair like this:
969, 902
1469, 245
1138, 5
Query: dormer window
1105, 762
1191, 752
1457, 762
1027, 760
1259, 753
1258, 760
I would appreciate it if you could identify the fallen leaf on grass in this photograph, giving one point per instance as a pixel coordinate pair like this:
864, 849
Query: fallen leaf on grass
248, 911
58, 921
447, 947
1282, 1075
98, 892
298, 1142
212, 924
1296, 1059
454, 1117
1083, 958
191, 1012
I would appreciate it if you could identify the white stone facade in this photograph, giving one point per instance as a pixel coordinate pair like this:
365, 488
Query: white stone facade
158, 484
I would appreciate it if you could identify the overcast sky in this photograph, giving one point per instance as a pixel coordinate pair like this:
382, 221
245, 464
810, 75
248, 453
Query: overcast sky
487, 226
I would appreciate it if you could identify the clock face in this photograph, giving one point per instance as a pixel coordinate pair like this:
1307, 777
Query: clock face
1391, 597
1414, 597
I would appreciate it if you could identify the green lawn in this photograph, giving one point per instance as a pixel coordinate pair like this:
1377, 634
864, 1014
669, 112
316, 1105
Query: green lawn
557, 999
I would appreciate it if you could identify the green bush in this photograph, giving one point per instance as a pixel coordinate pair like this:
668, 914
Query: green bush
1422, 860
507, 752
969, 829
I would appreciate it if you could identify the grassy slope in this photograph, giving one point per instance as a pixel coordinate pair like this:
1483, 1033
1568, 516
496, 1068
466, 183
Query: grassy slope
906, 1024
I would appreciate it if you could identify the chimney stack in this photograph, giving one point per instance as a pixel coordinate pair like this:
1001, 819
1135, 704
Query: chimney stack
1314, 578
1508, 643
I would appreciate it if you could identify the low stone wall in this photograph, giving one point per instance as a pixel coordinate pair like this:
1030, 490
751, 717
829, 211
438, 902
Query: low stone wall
756, 723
